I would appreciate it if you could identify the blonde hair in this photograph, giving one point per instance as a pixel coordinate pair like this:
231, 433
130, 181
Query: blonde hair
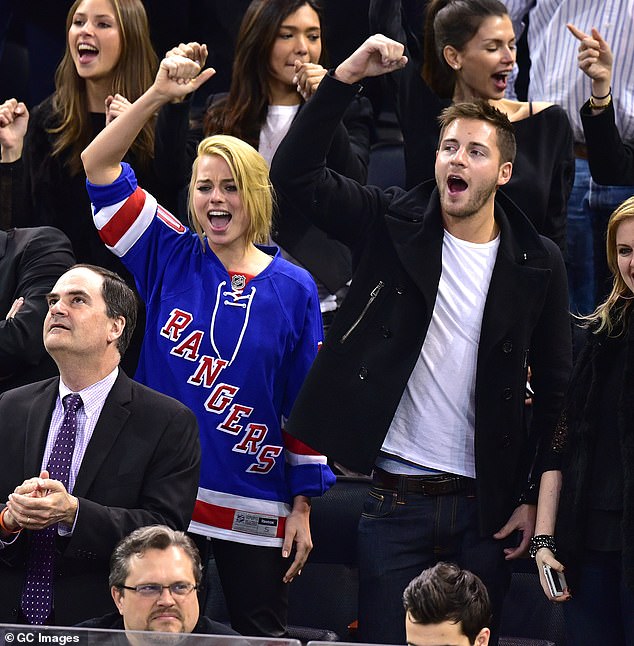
131, 76
251, 175
612, 314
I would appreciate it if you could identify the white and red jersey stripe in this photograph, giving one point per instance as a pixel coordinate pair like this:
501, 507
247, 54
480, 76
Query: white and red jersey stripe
121, 225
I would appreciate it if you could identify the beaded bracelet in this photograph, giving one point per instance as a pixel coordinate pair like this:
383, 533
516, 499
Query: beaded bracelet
4, 527
539, 541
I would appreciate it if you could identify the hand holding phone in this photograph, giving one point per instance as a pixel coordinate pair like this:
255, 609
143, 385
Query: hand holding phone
556, 581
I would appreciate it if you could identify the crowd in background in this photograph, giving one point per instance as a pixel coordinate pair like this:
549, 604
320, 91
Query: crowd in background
121, 93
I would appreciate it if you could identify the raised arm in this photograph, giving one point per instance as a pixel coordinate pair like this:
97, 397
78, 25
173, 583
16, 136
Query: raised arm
595, 60
177, 76
299, 172
611, 159
378, 55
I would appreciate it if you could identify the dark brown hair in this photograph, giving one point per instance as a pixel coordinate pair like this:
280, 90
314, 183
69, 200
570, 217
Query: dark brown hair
447, 593
455, 23
243, 112
120, 300
152, 537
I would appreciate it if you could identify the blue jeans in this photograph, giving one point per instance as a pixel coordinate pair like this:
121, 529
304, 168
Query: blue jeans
579, 243
399, 540
601, 610
589, 208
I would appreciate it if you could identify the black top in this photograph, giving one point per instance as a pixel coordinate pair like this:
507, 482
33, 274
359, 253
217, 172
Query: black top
114, 621
543, 171
605, 495
593, 446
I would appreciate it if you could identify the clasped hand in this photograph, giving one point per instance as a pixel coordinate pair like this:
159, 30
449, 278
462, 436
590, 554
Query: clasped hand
40, 502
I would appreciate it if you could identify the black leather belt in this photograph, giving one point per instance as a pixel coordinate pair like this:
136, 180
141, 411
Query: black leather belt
436, 485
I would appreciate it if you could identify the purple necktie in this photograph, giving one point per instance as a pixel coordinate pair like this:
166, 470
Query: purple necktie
37, 594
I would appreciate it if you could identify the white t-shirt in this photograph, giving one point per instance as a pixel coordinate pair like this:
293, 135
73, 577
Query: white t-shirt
278, 121
434, 424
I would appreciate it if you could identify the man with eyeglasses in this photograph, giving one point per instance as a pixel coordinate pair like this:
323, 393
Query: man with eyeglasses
154, 575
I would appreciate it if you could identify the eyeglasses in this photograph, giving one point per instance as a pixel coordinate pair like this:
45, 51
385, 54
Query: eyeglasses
156, 589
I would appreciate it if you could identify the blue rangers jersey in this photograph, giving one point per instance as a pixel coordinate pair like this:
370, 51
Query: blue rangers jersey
234, 350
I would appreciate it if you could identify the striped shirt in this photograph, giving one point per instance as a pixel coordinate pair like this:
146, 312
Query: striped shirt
555, 75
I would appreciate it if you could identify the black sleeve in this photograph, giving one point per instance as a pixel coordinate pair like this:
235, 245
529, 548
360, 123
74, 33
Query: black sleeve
300, 174
45, 256
349, 152
611, 159
175, 144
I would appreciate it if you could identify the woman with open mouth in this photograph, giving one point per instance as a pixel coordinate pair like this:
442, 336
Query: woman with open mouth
232, 330
469, 52
108, 62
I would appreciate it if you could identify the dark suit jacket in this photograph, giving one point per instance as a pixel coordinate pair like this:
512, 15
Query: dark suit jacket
141, 467
372, 347
31, 261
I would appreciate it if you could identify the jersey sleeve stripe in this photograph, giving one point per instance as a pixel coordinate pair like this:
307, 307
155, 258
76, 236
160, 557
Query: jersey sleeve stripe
121, 225
294, 459
295, 446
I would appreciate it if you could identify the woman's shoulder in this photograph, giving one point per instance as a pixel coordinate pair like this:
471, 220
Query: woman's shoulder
521, 110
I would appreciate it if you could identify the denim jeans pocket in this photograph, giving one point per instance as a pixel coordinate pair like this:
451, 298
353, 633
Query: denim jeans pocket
379, 503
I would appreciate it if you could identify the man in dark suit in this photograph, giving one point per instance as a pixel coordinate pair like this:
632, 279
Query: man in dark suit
135, 459
31, 260
422, 377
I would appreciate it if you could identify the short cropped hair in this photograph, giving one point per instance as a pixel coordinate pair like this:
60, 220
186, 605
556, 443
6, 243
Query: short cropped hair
120, 300
482, 110
251, 175
447, 593
152, 537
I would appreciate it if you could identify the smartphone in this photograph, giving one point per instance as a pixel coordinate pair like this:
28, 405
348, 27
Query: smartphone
556, 581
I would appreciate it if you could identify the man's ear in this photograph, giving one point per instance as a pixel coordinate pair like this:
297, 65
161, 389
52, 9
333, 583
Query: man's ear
116, 328
482, 638
505, 172
117, 593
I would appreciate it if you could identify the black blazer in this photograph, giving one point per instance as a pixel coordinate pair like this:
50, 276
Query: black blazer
141, 467
31, 261
347, 402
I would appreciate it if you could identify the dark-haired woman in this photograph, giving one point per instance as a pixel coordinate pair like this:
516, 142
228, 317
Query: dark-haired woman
468, 52
277, 65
